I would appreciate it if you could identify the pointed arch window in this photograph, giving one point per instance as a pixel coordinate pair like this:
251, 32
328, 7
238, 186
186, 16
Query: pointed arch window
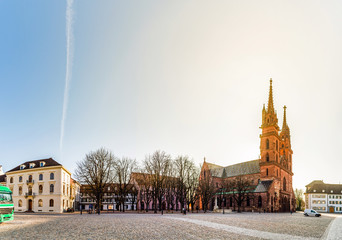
267, 157
267, 144
284, 184
259, 202
277, 145
266, 171
277, 158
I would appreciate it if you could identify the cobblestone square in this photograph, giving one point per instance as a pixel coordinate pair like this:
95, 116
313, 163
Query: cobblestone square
167, 226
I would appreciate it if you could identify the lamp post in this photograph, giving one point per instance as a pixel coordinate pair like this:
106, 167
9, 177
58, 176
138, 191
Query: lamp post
223, 201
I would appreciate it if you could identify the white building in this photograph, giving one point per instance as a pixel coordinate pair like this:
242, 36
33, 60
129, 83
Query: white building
324, 197
40, 186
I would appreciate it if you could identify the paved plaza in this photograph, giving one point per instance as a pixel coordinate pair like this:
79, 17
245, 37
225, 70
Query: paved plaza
172, 226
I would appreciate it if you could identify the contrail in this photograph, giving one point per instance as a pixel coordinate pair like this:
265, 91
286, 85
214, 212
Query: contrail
69, 57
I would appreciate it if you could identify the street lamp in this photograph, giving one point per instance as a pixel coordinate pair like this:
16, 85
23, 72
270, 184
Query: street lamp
223, 201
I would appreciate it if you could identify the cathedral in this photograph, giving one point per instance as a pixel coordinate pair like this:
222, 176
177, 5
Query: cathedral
269, 178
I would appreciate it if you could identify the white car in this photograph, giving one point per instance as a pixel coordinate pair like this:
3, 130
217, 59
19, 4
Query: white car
311, 212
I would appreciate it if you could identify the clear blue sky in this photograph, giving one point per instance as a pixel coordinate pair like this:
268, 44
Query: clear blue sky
187, 77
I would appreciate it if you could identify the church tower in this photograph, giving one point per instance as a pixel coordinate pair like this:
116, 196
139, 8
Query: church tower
269, 141
276, 157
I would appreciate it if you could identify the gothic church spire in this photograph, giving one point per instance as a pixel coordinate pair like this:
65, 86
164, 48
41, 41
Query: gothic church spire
270, 107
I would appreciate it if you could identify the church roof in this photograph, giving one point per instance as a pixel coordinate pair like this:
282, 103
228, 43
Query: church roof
239, 169
263, 186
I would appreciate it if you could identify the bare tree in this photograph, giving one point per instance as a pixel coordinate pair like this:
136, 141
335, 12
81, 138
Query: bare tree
192, 182
134, 193
240, 189
206, 189
182, 165
123, 169
157, 166
170, 187
96, 170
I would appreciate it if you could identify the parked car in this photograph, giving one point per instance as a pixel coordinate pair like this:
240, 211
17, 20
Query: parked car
311, 212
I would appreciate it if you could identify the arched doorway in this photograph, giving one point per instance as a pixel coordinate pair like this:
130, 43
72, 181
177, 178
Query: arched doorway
29, 205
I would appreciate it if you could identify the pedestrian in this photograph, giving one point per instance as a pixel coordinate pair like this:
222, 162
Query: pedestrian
183, 211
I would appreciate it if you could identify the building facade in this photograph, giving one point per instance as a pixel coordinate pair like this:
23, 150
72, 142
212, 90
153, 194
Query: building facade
40, 186
323, 197
110, 201
270, 177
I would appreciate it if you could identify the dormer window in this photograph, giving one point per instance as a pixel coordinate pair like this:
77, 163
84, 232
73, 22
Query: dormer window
331, 191
32, 165
22, 167
323, 190
42, 164
314, 190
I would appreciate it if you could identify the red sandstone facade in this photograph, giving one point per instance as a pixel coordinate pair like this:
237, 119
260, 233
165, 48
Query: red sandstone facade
270, 177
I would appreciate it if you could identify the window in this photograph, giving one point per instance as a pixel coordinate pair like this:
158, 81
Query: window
11, 180
51, 188
276, 157
63, 189
277, 173
284, 184
52, 176
40, 203
267, 144
40, 189
30, 178
323, 190
266, 171
42, 164
40, 177
20, 178
20, 203
277, 145
30, 190
20, 190
51, 202
22, 167
267, 157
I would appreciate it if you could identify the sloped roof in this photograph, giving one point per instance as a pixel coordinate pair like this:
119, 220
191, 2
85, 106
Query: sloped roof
263, 186
319, 186
243, 168
48, 163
